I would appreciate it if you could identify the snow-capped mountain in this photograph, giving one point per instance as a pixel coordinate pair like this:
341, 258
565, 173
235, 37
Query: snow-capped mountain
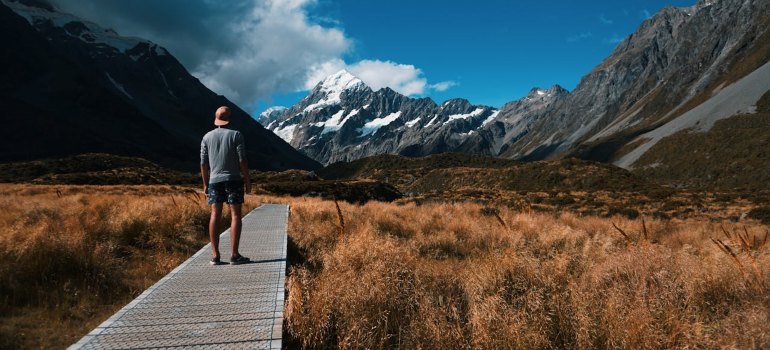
106, 41
343, 119
513, 121
83, 88
270, 115
682, 71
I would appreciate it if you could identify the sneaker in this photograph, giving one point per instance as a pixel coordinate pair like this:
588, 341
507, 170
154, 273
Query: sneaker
239, 259
215, 261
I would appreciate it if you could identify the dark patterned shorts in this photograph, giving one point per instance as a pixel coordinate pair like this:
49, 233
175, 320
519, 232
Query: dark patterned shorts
230, 191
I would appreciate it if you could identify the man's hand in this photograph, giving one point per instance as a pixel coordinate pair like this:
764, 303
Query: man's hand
245, 175
205, 177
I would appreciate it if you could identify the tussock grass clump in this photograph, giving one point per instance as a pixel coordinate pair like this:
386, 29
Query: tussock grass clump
462, 275
70, 256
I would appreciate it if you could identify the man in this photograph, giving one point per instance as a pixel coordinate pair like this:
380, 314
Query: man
225, 173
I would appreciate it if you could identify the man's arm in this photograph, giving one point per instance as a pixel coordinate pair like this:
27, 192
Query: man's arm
245, 175
205, 173
205, 169
240, 148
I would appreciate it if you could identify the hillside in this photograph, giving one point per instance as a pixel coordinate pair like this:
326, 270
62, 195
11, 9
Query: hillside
565, 185
676, 61
93, 169
732, 154
456, 171
107, 169
71, 87
366, 167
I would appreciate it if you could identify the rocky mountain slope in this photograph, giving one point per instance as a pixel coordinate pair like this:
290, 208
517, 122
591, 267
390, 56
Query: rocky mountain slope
271, 114
683, 70
677, 60
71, 87
343, 119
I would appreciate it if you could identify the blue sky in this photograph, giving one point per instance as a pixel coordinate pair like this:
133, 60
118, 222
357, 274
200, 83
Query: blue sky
260, 53
495, 51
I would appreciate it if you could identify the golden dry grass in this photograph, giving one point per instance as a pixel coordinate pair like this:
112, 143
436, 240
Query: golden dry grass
397, 275
70, 256
452, 276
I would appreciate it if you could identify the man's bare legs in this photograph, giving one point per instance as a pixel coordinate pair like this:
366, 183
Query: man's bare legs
235, 233
216, 217
235, 228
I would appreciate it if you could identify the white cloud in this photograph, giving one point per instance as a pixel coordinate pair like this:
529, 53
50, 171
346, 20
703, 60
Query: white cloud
249, 50
403, 78
444, 85
278, 45
319, 71
644, 14
605, 20
246, 50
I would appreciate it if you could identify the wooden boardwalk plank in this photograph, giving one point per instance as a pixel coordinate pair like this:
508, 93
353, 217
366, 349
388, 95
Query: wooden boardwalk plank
200, 306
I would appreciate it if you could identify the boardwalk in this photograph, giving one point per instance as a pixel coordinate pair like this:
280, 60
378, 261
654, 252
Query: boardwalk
201, 306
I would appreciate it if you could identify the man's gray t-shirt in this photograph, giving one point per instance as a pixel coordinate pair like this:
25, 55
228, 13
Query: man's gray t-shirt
223, 149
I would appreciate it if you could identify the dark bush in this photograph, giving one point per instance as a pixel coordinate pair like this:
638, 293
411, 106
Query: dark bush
627, 212
489, 211
761, 213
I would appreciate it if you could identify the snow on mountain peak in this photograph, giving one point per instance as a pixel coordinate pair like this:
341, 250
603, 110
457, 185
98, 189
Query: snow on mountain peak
536, 92
271, 115
475, 113
539, 93
333, 87
74, 26
491, 118
273, 109
371, 127
703, 4
340, 81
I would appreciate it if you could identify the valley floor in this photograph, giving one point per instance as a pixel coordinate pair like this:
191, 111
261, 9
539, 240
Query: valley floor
408, 274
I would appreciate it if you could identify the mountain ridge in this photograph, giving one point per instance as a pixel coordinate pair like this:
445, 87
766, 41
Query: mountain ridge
677, 60
347, 121
85, 89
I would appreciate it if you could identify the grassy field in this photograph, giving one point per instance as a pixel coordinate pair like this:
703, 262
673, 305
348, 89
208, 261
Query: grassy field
453, 276
398, 275
70, 256
582, 187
